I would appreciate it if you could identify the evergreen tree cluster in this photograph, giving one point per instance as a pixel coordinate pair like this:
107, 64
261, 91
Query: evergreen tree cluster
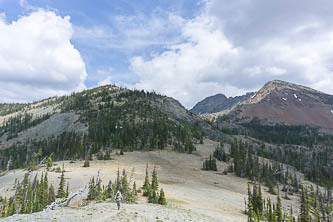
314, 206
259, 209
29, 196
306, 148
151, 191
220, 153
99, 192
18, 123
248, 163
209, 164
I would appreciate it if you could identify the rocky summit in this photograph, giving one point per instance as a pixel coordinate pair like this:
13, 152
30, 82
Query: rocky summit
286, 103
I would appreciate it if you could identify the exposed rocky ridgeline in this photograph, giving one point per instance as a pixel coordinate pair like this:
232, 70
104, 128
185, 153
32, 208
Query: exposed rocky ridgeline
218, 103
286, 103
94, 121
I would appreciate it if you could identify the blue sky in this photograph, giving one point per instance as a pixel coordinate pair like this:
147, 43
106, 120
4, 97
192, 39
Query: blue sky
186, 49
112, 54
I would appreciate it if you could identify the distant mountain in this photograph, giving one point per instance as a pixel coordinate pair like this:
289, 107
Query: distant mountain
286, 103
218, 103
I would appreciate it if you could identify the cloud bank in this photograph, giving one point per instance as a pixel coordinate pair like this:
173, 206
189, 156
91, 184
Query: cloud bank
236, 46
37, 59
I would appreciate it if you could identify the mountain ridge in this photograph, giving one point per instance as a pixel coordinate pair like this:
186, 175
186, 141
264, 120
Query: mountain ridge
218, 103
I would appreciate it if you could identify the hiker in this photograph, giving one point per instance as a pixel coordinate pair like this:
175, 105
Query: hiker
119, 197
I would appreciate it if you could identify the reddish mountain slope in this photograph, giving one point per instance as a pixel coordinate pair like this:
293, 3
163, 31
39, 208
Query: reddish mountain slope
291, 104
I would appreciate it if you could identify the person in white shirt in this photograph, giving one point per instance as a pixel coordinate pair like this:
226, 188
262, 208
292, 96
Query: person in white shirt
119, 197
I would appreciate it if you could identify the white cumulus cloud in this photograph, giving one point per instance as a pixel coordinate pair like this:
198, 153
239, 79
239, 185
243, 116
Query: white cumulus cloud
37, 59
106, 81
236, 46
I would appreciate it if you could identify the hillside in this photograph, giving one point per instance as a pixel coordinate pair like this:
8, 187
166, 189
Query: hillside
96, 121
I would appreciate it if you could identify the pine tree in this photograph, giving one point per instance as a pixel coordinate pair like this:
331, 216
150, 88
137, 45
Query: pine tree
49, 163
259, 201
28, 209
51, 197
36, 203
67, 190
86, 163
19, 197
4, 208
98, 190
250, 211
162, 199
124, 186
146, 184
109, 190
118, 181
152, 198
45, 191
278, 210
291, 217
134, 192
154, 180
61, 189
271, 215
11, 207
91, 194
304, 214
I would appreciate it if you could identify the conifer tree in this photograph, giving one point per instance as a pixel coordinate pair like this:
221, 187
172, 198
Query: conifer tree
28, 209
134, 192
109, 190
259, 201
154, 180
250, 211
86, 163
124, 186
278, 210
162, 199
304, 214
61, 189
271, 215
118, 181
91, 194
19, 197
98, 190
36, 203
4, 208
11, 207
41, 192
49, 163
51, 197
67, 190
290, 216
45, 191
146, 184
152, 198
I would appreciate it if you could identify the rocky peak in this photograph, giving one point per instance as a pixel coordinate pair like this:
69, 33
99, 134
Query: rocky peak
218, 103
280, 86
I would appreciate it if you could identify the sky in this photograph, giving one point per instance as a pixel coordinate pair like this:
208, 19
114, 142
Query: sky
186, 49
